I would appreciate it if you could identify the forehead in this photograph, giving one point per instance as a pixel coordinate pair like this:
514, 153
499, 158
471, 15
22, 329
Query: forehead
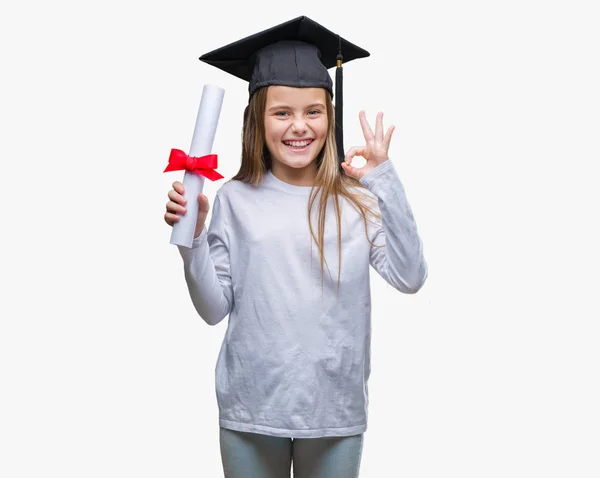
291, 96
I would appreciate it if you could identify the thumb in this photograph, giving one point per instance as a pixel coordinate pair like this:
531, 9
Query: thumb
351, 170
203, 205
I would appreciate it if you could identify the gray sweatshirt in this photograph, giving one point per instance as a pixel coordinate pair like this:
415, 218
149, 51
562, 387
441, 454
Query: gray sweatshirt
295, 358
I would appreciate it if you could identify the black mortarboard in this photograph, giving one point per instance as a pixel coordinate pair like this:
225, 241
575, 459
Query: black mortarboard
295, 53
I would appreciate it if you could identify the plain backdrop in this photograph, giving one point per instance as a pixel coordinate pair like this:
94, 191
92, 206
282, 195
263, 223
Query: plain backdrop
491, 370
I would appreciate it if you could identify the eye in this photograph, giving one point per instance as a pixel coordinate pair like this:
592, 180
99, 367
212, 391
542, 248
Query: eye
314, 112
281, 113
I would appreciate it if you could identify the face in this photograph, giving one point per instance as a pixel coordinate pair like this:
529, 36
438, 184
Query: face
295, 128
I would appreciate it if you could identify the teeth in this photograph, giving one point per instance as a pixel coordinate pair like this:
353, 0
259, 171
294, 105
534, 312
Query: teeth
297, 144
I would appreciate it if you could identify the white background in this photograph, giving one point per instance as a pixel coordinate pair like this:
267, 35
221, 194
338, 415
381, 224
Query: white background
491, 370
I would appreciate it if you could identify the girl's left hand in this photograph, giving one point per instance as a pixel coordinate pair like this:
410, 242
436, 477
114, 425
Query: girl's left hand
375, 151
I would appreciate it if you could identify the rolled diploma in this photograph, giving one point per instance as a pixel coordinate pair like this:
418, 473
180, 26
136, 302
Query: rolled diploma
202, 143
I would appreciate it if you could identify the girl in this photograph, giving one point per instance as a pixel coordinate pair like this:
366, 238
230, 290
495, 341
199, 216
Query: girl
286, 256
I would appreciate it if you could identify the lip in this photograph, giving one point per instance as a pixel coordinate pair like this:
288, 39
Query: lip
299, 139
298, 150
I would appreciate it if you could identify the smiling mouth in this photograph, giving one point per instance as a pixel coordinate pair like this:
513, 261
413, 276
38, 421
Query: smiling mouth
298, 145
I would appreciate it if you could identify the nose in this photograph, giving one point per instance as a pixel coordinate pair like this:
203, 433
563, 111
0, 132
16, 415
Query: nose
299, 125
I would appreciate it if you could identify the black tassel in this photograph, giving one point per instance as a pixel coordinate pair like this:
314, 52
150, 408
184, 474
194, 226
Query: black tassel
339, 106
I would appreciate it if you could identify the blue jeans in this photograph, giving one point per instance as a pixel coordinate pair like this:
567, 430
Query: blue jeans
252, 455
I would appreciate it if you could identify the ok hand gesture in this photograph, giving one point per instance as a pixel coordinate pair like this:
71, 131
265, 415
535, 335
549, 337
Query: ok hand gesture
375, 151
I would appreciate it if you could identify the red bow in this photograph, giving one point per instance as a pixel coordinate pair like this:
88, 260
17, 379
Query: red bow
203, 165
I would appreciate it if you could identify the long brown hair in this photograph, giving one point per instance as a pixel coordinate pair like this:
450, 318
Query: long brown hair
330, 179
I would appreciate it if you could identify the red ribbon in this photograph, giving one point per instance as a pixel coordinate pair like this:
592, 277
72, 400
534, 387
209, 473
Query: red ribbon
204, 165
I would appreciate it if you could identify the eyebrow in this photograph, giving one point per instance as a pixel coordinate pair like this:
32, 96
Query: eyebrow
285, 107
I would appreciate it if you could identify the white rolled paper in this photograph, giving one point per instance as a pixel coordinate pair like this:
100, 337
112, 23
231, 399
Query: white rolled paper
202, 143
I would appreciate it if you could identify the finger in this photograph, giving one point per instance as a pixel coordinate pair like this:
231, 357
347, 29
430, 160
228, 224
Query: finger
388, 136
178, 187
379, 127
367, 131
173, 207
176, 197
354, 151
170, 219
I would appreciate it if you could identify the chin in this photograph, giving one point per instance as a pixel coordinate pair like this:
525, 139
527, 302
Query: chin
293, 160
295, 164
298, 163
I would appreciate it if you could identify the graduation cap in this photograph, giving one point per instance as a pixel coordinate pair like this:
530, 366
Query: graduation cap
295, 53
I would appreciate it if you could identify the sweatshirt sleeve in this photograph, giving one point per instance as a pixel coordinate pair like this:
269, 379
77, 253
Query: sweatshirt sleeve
207, 269
400, 261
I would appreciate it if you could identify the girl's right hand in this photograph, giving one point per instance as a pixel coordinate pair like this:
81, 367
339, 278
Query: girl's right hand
176, 207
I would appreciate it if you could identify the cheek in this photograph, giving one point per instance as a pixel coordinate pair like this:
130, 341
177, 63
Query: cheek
274, 131
321, 129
